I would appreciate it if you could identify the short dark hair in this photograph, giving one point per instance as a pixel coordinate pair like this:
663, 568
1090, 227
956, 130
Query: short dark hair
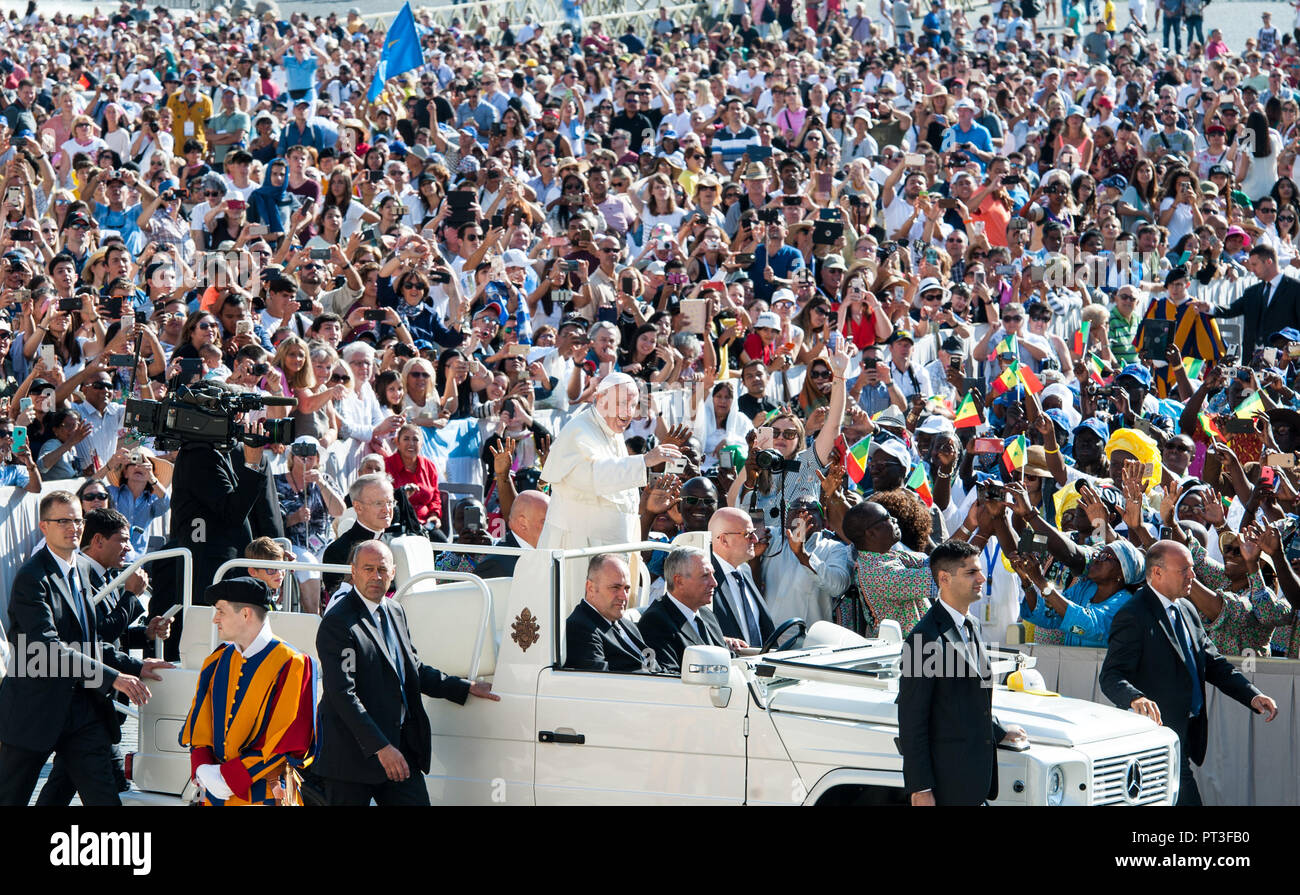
948, 555
103, 522
54, 497
1264, 250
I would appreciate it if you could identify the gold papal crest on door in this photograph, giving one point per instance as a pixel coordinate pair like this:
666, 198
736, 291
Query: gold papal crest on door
525, 630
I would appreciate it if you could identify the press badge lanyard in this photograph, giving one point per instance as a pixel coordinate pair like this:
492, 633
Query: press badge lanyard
990, 563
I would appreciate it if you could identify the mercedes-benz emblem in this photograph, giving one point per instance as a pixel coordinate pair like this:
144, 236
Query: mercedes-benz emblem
1133, 781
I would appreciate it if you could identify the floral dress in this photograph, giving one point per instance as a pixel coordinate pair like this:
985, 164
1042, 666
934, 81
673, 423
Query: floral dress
1248, 618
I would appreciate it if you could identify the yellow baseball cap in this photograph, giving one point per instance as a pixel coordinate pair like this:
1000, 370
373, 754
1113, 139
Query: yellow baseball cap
1027, 680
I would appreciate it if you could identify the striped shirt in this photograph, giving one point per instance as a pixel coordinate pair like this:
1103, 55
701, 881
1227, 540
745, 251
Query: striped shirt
733, 145
1196, 335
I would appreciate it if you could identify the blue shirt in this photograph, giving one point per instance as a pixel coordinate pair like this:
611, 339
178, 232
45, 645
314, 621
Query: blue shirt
139, 511
786, 259
978, 136
14, 475
300, 75
123, 221
1085, 623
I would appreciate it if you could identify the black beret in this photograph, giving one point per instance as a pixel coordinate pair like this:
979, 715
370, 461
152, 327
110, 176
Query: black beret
240, 590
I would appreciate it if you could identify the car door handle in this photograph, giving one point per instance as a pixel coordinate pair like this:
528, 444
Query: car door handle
550, 736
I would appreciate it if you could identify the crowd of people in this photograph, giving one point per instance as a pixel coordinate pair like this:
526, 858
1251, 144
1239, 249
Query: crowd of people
807, 291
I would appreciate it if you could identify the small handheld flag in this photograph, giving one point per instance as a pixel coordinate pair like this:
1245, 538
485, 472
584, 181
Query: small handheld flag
919, 483
1193, 366
1096, 369
1209, 428
968, 414
1006, 382
1249, 407
1031, 382
1008, 346
1013, 456
855, 460
1081, 338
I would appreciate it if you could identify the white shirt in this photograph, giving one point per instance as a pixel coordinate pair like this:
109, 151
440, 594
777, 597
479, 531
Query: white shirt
959, 619
746, 594
1272, 289
683, 609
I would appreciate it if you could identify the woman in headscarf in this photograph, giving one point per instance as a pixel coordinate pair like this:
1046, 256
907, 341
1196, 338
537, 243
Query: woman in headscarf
719, 422
269, 203
1083, 612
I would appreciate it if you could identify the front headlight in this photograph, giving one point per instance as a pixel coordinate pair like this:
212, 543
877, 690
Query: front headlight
1055, 785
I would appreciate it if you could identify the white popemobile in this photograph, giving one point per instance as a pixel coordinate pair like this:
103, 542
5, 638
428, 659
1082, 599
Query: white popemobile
809, 725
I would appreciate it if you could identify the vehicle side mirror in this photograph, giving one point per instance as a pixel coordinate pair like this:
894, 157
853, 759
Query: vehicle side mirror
708, 666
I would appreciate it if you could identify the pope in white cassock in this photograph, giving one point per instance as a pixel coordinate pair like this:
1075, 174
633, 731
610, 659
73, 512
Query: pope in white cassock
594, 481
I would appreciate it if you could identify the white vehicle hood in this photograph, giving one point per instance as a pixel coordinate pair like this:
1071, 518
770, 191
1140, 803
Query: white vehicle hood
1049, 720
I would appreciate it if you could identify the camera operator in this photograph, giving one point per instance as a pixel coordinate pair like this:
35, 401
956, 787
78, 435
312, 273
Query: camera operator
214, 495
309, 500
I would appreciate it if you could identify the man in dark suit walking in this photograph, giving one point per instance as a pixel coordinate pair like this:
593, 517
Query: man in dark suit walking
682, 617
1159, 660
946, 729
740, 607
55, 699
597, 636
105, 543
1269, 305
373, 727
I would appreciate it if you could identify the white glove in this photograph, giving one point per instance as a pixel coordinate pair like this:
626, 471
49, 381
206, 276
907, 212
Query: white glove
209, 777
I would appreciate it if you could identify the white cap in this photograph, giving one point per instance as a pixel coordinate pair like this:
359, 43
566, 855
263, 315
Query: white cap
613, 380
768, 320
515, 258
936, 425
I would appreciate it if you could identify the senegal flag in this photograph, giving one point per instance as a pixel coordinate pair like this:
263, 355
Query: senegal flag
1095, 369
919, 483
855, 460
1249, 407
1008, 346
1193, 366
1209, 428
968, 414
1006, 382
1013, 457
1031, 382
1081, 338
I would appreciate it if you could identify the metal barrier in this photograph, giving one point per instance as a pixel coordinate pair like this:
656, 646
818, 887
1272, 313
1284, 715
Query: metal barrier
170, 553
485, 616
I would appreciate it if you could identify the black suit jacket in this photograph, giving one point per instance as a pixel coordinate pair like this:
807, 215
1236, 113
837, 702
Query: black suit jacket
946, 730
494, 566
732, 626
114, 616
1259, 321
362, 705
1143, 659
211, 502
668, 633
593, 645
34, 707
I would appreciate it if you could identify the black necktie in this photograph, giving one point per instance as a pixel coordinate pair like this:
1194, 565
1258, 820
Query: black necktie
704, 632
390, 641
752, 634
1189, 658
975, 648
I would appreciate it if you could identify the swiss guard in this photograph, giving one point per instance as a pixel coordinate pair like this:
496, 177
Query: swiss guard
252, 728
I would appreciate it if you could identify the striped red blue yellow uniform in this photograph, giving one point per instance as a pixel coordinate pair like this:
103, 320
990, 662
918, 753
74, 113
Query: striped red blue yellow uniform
1196, 335
255, 718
